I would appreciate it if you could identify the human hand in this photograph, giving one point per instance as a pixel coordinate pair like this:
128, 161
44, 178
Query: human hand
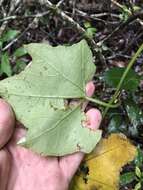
22, 169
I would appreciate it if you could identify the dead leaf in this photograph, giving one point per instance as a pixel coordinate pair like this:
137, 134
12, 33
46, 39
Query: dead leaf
103, 166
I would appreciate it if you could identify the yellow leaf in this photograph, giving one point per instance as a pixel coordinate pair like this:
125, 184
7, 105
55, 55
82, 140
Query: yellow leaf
104, 164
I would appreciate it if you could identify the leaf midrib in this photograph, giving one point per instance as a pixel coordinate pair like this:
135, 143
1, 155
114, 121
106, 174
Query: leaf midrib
42, 96
56, 124
64, 76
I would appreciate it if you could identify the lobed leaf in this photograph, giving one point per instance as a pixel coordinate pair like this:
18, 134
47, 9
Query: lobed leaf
38, 96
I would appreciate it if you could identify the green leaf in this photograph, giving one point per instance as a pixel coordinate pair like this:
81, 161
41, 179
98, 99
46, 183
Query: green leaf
1, 44
139, 157
113, 76
115, 124
10, 35
38, 96
87, 24
127, 178
5, 65
138, 172
124, 16
20, 52
90, 32
134, 112
20, 66
136, 8
58, 139
71, 66
138, 186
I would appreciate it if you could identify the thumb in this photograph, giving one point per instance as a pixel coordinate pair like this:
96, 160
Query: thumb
7, 121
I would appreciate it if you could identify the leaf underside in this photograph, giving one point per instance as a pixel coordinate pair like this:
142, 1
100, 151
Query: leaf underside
38, 95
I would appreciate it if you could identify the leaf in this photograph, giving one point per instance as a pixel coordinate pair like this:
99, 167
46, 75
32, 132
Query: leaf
138, 186
113, 76
105, 164
127, 178
1, 43
134, 112
10, 35
139, 157
20, 66
90, 32
38, 95
20, 52
71, 66
138, 172
58, 139
114, 124
117, 123
5, 65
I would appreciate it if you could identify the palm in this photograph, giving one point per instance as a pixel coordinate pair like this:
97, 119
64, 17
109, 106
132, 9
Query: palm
31, 170
23, 169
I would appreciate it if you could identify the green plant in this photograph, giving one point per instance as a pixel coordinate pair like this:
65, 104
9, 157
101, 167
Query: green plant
123, 78
90, 31
136, 175
6, 58
126, 12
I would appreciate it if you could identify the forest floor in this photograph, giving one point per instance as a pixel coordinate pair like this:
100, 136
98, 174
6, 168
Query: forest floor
114, 30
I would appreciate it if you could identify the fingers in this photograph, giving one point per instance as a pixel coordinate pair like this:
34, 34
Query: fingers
93, 119
90, 88
7, 121
70, 163
4, 168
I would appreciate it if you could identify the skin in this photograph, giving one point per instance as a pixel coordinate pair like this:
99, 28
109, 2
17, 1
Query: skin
20, 168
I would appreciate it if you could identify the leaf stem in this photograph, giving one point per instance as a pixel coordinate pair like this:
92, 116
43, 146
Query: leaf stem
132, 61
94, 100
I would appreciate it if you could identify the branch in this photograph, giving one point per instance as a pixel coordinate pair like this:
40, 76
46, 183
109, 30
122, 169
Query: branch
16, 39
129, 12
59, 3
132, 61
13, 5
70, 20
124, 24
13, 17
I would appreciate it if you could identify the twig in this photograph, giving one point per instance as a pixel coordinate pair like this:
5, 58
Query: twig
129, 12
13, 5
1, 2
13, 17
96, 15
70, 20
114, 97
84, 14
118, 55
59, 3
118, 5
16, 39
123, 24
